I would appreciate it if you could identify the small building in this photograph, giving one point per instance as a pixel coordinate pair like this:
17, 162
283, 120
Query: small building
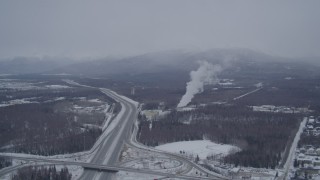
316, 133
310, 127
235, 170
311, 151
305, 161
301, 155
150, 114
311, 121
302, 150
316, 162
316, 124
308, 170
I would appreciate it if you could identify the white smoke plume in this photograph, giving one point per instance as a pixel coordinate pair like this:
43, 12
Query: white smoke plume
206, 74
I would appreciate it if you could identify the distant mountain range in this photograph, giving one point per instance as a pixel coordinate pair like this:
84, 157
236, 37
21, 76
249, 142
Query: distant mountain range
154, 63
27, 65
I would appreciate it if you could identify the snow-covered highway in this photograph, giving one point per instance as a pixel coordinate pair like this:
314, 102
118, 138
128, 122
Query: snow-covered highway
98, 168
110, 147
106, 151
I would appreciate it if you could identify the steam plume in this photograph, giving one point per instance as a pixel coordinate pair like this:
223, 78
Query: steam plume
205, 74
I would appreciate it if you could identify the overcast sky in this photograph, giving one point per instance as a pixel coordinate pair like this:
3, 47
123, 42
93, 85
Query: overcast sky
94, 28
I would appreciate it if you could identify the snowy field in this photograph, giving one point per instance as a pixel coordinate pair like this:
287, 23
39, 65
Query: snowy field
203, 148
18, 101
134, 176
25, 85
57, 86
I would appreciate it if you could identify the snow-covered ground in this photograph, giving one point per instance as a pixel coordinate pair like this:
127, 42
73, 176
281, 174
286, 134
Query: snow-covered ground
226, 82
202, 148
280, 109
186, 108
79, 156
89, 109
154, 163
154, 114
21, 85
76, 171
146, 159
18, 101
95, 100
134, 176
56, 86
259, 85
12, 84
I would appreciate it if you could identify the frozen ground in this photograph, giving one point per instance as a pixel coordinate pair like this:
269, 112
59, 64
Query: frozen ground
21, 85
154, 114
195, 172
56, 86
76, 171
154, 163
186, 109
144, 159
202, 148
280, 109
13, 84
134, 176
19, 101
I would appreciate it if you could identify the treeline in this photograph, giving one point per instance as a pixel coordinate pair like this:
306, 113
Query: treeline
294, 93
5, 162
50, 94
67, 143
40, 129
42, 173
261, 136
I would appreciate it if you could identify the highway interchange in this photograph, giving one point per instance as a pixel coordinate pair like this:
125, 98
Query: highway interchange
106, 151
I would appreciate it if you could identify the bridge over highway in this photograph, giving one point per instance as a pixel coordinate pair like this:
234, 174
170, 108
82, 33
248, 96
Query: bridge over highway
100, 168
107, 149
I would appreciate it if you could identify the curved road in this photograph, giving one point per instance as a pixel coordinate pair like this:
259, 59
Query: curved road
109, 150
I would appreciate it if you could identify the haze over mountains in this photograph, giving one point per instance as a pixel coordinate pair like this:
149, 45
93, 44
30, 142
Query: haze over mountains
177, 61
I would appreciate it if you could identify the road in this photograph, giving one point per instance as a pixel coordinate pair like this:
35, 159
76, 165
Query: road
96, 167
109, 150
177, 157
10, 169
133, 142
246, 94
293, 147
